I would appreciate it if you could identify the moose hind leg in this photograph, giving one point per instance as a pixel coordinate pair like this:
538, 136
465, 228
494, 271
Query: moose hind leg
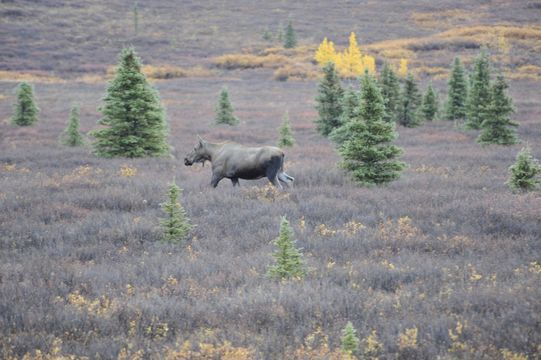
272, 171
235, 181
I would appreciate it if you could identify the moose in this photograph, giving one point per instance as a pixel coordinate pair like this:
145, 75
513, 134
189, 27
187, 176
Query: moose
234, 161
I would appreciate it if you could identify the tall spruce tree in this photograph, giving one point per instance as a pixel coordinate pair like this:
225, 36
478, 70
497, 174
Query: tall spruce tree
498, 128
409, 103
479, 93
455, 107
349, 342
224, 110
290, 40
286, 136
390, 89
429, 108
524, 173
176, 225
288, 259
25, 111
71, 135
367, 152
133, 117
329, 101
350, 110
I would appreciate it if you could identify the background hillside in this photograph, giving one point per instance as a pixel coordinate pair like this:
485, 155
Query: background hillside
447, 250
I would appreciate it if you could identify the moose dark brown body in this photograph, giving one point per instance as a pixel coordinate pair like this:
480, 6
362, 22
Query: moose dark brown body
235, 161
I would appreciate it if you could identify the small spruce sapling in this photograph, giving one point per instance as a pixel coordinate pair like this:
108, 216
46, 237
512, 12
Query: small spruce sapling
224, 110
286, 136
288, 259
290, 40
71, 135
524, 173
176, 225
429, 108
349, 342
25, 112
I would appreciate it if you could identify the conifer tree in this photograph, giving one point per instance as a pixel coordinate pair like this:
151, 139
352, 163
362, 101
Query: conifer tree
25, 112
224, 110
390, 89
288, 259
350, 110
349, 342
328, 100
479, 93
176, 224
290, 40
455, 108
409, 103
497, 128
430, 105
71, 135
368, 153
133, 117
524, 173
286, 136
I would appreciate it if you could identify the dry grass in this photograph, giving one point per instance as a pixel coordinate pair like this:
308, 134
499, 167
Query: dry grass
296, 71
36, 77
249, 61
165, 72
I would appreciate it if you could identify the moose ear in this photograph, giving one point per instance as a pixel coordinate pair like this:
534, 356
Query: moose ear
200, 139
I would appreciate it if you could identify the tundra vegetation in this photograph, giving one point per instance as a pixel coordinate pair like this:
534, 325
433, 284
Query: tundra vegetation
443, 262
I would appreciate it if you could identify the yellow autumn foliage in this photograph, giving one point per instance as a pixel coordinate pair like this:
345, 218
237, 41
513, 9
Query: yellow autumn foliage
349, 63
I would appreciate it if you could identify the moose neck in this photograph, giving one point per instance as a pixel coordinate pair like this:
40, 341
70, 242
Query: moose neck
211, 150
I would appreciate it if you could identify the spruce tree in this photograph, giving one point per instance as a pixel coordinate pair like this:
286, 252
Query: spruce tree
497, 128
349, 342
479, 93
25, 111
288, 259
429, 109
286, 136
455, 108
290, 40
524, 173
409, 103
329, 100
390, 89
224, 110
133, 117
350, 110
368, 153
71, 135
176, 225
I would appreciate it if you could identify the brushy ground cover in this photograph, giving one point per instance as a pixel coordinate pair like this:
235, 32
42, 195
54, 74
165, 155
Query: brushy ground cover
444, 262
81, 259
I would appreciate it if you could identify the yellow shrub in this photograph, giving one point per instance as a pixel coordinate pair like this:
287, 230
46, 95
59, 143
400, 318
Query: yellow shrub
408, 339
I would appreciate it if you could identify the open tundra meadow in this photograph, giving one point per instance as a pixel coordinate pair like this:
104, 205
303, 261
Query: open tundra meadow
443, 263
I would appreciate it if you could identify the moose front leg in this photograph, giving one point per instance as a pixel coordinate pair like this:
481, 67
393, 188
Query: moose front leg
215, 180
